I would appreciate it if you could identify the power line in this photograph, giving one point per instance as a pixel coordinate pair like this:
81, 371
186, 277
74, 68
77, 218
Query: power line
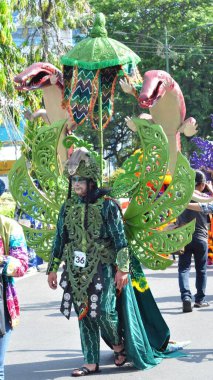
183, 53
186, 47
171, 46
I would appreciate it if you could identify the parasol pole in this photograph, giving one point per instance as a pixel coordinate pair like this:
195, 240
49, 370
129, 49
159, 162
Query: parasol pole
100, 127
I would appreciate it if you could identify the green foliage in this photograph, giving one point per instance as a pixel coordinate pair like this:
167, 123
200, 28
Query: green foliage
12, 61
43, 22
115, 175
10, 57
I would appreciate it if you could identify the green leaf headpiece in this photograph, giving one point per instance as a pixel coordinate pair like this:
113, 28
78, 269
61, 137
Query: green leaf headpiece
83, 164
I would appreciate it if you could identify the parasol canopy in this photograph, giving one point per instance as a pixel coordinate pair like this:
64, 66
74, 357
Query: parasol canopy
91, 70
99, 51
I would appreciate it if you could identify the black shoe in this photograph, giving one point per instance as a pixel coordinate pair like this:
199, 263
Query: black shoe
187, 306
117, 355
84, 371
201, 304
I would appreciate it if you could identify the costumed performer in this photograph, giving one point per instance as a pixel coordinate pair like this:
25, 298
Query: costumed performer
97, 276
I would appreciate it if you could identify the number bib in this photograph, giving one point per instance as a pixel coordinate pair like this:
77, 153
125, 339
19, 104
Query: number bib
79, 259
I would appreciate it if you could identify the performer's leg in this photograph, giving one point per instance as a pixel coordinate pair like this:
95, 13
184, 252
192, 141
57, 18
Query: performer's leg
108, 319
4, 340
201, 256
89, 332
90, 339
184, 265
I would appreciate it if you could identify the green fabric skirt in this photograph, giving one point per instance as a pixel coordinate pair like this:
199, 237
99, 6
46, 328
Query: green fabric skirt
144, 331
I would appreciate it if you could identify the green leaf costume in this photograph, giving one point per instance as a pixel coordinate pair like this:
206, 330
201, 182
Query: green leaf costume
108, 241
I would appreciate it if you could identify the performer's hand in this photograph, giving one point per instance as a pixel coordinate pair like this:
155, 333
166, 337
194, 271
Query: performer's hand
52, 280
121, 279
130, 124
126, 87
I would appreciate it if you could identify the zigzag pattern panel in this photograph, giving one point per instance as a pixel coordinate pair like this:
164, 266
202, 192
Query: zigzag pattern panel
108, 83
68, 75
82, 95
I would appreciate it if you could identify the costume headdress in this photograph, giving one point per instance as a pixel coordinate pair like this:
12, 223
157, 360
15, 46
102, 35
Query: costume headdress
83, 164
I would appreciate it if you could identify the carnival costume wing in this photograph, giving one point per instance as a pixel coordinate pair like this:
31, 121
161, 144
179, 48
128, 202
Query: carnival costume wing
149, 213
48, 164
43, 203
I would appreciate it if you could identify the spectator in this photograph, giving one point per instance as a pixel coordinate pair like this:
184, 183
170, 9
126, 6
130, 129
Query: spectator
197, 247
13, 263
26, 220
207, 208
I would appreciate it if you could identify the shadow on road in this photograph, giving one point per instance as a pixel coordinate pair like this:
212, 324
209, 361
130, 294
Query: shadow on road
197, 356
64, 363
61, 367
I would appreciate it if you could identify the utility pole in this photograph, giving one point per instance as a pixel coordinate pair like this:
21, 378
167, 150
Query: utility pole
166, 50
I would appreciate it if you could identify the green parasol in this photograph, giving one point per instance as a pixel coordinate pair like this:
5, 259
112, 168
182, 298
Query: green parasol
90, 73
99, 51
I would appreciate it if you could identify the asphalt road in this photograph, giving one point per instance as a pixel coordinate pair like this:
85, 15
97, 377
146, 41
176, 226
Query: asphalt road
46, 346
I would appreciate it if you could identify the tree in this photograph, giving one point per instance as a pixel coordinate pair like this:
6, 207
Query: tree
43, 21
10, 56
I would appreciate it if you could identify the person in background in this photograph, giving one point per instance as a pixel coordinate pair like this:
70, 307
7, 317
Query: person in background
207, 208
2, 187
39, 261
13, 263
26, 220
197, 247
